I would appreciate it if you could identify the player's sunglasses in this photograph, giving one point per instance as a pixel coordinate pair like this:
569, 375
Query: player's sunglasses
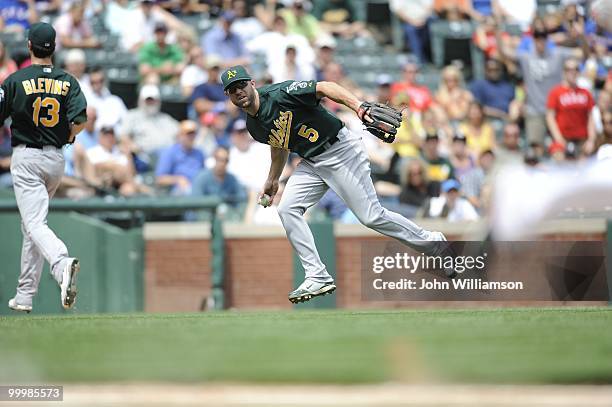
238, 85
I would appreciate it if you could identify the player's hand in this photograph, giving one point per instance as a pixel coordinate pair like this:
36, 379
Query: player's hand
270, 188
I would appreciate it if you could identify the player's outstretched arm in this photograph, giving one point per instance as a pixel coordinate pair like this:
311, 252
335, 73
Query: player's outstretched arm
338, 94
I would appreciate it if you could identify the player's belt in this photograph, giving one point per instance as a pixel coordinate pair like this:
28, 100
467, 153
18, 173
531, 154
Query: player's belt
36, 146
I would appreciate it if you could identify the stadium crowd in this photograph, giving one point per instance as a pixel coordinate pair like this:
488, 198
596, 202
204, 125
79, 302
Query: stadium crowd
543, 100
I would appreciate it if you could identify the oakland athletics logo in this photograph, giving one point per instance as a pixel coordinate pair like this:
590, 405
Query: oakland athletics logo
231, 74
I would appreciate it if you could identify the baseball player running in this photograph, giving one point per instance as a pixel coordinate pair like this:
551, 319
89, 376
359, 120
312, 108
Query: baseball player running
288, 117
47, 110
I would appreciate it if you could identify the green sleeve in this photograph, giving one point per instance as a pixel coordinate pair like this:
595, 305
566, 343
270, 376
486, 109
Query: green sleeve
144, 55
177, 54
76, 104
299, 94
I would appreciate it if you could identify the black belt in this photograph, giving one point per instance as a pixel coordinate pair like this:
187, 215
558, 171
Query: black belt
36, 146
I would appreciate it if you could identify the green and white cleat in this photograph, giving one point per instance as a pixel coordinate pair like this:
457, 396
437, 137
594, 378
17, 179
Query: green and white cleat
310, 289
68, 286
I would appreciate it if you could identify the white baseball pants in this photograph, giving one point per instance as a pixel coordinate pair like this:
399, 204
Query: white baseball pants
345, 168
36, 177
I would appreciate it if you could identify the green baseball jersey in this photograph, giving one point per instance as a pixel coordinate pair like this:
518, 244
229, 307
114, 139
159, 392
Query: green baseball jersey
290, 117
42, 101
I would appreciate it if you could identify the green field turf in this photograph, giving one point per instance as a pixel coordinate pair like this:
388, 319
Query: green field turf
567, 345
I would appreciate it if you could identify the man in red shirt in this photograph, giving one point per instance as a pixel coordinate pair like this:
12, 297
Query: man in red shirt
568, 114
419, 97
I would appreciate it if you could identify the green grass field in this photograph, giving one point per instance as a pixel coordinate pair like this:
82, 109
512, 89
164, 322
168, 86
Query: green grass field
552, 345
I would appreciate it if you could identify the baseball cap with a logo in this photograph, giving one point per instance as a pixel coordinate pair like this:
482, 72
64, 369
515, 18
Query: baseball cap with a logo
234, 74
42, 35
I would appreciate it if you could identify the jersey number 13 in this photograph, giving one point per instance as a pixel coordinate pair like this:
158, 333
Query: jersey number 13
53, 109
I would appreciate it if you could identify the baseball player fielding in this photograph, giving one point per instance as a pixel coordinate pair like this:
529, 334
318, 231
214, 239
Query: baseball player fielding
289, 118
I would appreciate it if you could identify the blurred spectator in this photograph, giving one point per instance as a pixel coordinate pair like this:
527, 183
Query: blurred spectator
451, 205
604, 103
6, 151
216, 133
556, 151
299, 21
478, 131
494, 92
209, 97
542, 69
290, 69
17, 15
487, 35
515, 12
338, 17
326, 47
460, 157
454, 10
274, 42
158, 60
195, 72
75, 64
111, 109
412, 193
419, 97
217, 181
246, 26
595, 69
224, 43
334, 72
73, 30
7, 65
416, 188
415, 17
113, 166
509, 152
569, 108
483, 8
179, 164
145, 129
438, 168
137, 25
475, 181
249, 160
452, 96
48, 6
606, 136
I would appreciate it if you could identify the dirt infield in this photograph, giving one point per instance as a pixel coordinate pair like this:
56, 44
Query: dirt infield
383, 395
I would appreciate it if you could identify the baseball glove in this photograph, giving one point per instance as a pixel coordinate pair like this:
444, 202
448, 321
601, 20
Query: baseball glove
385, 120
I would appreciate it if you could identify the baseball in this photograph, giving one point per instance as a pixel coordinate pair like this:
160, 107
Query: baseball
264, 200
602, 13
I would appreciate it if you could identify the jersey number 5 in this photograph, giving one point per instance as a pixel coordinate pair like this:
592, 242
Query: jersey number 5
53, 108
311, 134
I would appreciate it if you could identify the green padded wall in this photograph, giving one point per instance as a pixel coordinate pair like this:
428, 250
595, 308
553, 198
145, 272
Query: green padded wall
112, 267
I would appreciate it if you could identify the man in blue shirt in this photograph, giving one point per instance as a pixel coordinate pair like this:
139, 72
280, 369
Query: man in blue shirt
493, 92
218, 182
179, 164
222, 42
17, 15
210, 96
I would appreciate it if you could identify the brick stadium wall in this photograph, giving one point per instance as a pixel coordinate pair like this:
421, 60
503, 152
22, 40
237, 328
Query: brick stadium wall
177, 270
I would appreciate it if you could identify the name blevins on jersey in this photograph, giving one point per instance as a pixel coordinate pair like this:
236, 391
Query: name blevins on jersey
46, 85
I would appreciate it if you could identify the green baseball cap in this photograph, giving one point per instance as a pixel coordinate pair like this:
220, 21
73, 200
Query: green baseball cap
42, 35
234, 74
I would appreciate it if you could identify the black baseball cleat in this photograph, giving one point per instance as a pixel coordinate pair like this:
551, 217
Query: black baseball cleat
310, 289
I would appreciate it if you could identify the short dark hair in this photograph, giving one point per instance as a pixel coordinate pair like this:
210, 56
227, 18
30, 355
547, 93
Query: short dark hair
40, 52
